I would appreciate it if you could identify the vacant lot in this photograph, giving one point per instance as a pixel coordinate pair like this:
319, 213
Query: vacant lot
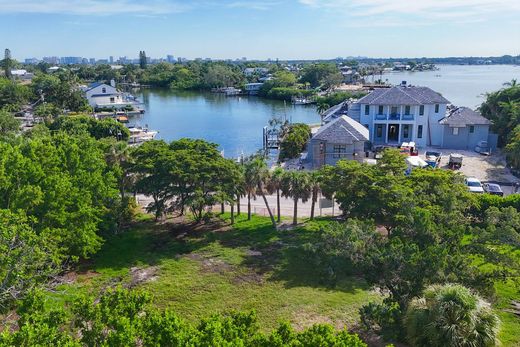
198, 272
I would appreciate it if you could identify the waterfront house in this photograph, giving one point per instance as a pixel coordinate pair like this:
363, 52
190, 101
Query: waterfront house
341, 138
103, 96
415, 114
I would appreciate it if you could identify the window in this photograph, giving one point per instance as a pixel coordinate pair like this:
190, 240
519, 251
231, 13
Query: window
379, 131
367, 110
394, 110
321, 147
419, 132
421, 110
406, 131
471, 129
103, 90
339, 150
455, 131
436, 108
407, 110
112, 100
381, 110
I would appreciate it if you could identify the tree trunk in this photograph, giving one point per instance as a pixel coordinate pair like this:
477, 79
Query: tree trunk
222, 208
248, 206
260, 188
238, 206
295, 212
278, 205
313, 204
232, 214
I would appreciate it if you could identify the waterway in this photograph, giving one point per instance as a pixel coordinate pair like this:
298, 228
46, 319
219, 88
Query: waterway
235, 123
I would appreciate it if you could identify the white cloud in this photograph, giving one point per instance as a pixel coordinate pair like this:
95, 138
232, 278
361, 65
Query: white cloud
254, 5
434, 11
93, 7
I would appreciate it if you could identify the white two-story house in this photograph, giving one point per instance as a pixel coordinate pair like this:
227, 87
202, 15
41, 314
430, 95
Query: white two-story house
402, 114
105, 96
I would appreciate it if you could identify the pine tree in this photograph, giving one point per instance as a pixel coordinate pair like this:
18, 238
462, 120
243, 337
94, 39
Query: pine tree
7, 63
142, 59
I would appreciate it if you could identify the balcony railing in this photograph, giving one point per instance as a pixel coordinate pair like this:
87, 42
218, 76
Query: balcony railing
394, 116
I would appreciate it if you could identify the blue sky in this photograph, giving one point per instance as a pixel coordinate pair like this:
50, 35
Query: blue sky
260, 29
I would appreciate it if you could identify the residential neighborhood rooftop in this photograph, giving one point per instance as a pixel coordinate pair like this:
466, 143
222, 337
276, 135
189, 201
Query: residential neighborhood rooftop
403, 95
342, 130
463, 116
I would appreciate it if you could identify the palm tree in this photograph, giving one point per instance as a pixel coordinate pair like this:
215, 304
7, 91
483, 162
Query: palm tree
275, 185
249, 184
314, 180
296, 185
322, 108
451, 315
256, 177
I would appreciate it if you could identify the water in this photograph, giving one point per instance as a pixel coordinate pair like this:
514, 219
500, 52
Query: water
235, 123
463, 85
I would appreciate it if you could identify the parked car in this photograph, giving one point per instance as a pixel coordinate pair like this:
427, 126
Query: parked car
433, 158
493, 188
474, 185
483, 148
455, 161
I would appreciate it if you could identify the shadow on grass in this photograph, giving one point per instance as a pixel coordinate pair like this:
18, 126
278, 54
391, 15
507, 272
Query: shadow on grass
276, 255
281, 256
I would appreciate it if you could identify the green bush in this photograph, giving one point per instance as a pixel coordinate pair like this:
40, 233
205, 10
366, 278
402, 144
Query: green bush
294, 142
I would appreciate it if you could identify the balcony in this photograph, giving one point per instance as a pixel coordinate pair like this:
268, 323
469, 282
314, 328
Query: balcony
408, 117
380, 117
394, 116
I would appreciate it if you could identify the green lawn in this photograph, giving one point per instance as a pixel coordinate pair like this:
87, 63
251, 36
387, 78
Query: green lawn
250, 266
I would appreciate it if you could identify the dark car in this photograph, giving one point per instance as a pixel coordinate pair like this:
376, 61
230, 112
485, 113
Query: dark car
493, 188
433, 158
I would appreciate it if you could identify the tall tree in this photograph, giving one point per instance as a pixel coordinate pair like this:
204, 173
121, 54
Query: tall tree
143, 62
257, 175
296, 185
7, 63
275, 186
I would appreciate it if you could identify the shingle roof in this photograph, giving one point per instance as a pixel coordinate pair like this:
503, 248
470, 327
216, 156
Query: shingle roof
342, 130
401, 95
463, 116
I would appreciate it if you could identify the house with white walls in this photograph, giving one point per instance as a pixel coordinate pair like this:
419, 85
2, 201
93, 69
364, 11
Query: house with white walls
104, 96
406, 113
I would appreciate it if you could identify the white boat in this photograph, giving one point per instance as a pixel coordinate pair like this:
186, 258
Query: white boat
140, 135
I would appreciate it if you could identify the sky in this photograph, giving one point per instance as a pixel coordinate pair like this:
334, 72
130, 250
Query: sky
260, 29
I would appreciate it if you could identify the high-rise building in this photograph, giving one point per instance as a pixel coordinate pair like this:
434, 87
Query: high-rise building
33, 61
71, 60
51, 60
92, 61
111, 59
170, 58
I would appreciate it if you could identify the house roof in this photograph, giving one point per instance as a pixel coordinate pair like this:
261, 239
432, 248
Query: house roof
403, 95
462, 117
97, 84
108, 94
342, 130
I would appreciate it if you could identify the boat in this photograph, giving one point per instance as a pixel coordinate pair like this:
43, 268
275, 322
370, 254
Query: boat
140, 135
301, 101
122, 119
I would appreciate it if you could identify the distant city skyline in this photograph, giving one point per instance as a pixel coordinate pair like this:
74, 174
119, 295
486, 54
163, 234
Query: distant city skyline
260, 29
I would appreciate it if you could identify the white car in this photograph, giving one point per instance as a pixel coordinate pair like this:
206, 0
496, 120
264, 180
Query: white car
474, 185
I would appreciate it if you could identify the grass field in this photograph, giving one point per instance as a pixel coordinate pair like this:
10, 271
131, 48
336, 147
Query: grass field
250, 266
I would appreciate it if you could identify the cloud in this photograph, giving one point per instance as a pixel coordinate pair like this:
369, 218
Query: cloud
394, 12
93, 7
